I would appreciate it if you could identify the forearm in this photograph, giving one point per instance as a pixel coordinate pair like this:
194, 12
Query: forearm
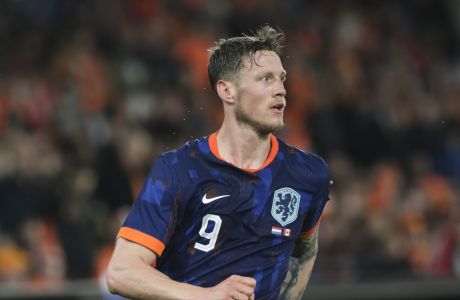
132, 276
300, 268
144, 282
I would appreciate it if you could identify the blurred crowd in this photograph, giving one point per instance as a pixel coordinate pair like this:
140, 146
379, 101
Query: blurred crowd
92, 91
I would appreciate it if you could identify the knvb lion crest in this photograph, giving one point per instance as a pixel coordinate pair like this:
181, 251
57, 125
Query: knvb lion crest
285, 206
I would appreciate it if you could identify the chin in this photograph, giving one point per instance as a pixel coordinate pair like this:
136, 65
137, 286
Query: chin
265, 129
260, 125
276, 125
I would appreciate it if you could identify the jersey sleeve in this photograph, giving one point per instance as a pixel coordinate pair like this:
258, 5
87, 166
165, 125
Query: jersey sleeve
320, 198
153, 217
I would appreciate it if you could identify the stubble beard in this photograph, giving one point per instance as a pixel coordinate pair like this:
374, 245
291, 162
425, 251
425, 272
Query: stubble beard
246, 120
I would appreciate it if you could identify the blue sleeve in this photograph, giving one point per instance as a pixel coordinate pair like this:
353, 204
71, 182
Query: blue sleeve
153, 217
319, 199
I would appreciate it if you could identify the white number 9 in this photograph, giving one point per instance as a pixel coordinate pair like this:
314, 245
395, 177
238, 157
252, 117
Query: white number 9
211, 236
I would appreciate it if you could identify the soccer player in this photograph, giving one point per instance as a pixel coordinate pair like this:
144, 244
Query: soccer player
233, 215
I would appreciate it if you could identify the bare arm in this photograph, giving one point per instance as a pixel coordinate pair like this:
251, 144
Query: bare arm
130, 274
300, 267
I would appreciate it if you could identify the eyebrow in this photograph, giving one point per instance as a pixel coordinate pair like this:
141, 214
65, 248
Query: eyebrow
283, 73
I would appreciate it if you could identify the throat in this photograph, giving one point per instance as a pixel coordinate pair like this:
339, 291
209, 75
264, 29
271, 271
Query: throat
247, 154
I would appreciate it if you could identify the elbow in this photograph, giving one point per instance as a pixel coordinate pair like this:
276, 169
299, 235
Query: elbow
113, 281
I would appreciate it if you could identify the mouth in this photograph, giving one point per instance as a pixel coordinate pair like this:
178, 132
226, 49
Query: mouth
278, 107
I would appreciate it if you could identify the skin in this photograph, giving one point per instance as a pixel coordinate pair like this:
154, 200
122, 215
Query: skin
130, 274
243, 139
300, 268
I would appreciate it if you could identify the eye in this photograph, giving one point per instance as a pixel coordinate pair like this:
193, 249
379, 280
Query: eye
268, 77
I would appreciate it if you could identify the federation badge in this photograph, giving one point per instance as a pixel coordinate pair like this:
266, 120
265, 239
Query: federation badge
285, 205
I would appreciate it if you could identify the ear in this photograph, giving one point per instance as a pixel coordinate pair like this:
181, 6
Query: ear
226, 91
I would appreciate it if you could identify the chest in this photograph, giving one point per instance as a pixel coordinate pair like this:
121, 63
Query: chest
249, 206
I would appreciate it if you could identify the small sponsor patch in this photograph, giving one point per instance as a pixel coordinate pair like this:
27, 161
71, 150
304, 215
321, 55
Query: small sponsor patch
276, 230
287, 232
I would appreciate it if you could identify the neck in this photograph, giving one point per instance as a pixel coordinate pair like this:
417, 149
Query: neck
242, 146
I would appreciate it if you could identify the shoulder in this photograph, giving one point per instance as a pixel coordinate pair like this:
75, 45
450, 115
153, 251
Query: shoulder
302, 158
305, 165
309, 168
186, 153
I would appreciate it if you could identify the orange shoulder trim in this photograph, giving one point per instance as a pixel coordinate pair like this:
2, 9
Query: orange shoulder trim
309, 233
143, 239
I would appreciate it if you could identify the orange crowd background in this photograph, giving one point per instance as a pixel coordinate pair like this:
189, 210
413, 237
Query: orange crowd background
92, 91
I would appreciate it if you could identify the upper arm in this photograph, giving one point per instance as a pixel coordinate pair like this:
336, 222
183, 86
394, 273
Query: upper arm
306, 247
130, 272
127, 253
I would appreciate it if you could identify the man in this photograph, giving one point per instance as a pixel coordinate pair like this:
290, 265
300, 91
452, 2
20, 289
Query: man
234, 215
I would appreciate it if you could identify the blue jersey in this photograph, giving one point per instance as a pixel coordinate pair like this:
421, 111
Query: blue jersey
207, 219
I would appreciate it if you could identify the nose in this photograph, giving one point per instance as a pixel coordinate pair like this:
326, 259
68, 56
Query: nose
280, 91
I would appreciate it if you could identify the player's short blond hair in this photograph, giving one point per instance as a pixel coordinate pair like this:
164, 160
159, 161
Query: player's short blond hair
227, 56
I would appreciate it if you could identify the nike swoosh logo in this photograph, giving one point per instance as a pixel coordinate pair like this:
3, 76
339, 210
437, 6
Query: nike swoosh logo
209, 200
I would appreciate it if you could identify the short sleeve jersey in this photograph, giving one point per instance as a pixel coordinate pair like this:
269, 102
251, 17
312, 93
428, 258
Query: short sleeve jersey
207, 219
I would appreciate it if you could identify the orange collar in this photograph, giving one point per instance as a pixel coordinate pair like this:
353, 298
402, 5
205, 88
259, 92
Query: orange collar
270, 157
